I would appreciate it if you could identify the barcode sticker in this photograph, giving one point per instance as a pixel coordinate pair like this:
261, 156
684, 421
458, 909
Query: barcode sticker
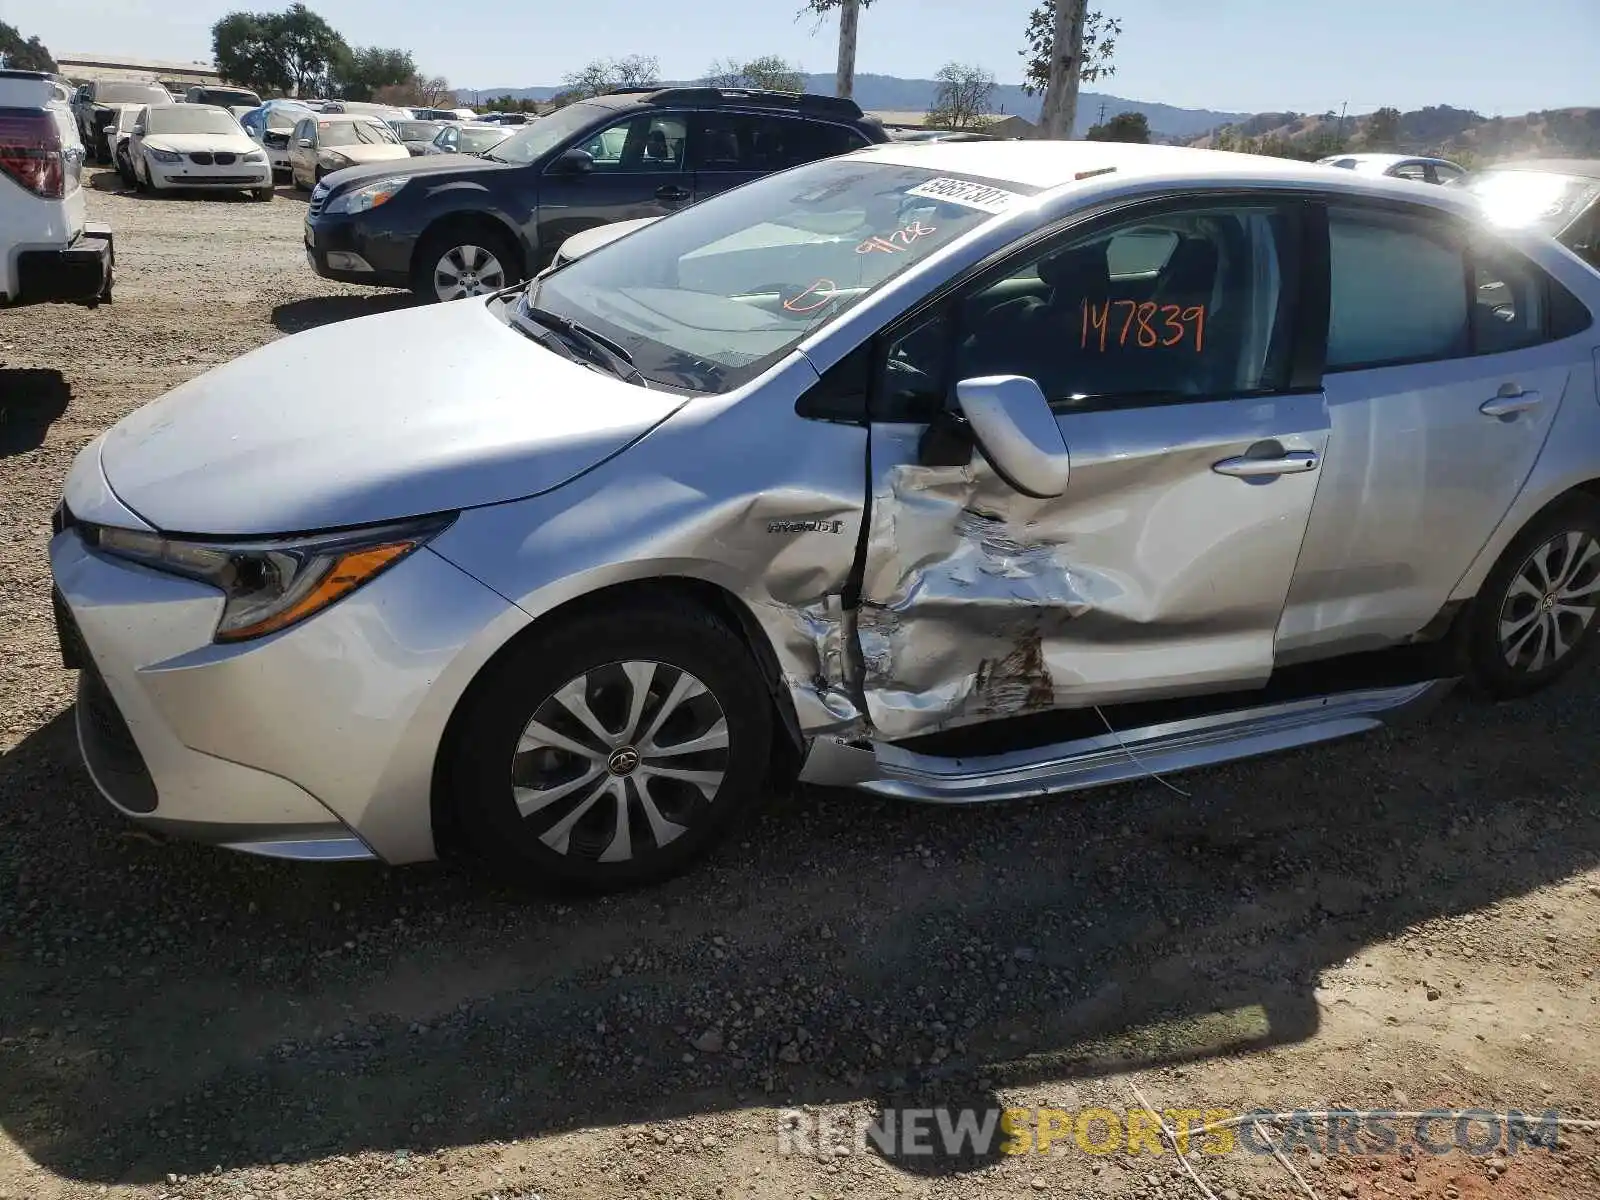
982, 196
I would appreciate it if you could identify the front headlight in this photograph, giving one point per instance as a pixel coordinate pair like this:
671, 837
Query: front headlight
334, 158
368, 196
256, 156
272, 585
166, 156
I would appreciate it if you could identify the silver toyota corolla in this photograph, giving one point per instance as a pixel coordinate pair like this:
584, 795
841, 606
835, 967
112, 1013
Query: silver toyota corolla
952, 472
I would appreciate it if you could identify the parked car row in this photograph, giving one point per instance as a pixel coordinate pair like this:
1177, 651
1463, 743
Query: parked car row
446, 225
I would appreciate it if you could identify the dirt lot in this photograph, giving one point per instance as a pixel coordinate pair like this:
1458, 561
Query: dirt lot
1404, 921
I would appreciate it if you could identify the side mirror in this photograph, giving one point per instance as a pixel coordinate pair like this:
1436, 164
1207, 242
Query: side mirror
1012, 423
574, 162
304, 143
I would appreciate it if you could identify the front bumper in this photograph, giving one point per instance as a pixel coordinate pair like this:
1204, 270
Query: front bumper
76, 274
364, 237
317, 742
235, 176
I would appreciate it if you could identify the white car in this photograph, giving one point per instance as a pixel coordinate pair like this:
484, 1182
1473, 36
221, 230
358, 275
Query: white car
333, 141
118, 135
955, 472
271, 126
196, 146
49, 251
1418, 168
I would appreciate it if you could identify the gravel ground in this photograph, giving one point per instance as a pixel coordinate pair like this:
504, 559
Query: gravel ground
1403, 921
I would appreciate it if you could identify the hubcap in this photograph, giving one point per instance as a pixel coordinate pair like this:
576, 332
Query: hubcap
1550, 602
467, 271
620, 761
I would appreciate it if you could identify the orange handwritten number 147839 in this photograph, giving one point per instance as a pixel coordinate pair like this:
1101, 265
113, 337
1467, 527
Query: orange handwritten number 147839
1148, 324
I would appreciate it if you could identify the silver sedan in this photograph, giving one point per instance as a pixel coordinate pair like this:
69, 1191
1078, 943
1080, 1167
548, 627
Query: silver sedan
954, 473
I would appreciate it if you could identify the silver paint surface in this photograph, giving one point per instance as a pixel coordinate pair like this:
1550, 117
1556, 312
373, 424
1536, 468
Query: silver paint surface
1152, 575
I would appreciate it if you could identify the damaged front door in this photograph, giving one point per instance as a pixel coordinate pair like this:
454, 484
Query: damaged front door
1165, 347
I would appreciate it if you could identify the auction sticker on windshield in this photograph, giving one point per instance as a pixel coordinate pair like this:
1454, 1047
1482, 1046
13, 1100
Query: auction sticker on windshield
982, 196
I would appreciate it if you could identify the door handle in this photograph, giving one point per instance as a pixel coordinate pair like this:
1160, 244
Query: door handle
672, 191
1509, 403
1292, 462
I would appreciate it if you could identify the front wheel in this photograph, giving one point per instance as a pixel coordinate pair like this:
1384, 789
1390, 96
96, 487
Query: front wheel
614, 750
264, 193
1534, 618
467, 261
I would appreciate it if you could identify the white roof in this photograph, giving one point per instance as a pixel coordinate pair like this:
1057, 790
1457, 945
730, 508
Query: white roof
1110, 167
1051, 164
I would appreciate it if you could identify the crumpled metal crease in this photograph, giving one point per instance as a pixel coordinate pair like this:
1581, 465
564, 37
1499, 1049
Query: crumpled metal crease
973, 564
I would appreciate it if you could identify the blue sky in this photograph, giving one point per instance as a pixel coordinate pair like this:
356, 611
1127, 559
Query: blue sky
1236, 55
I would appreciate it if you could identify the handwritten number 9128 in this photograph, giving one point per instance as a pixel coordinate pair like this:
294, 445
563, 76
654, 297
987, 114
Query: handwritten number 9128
1148, 325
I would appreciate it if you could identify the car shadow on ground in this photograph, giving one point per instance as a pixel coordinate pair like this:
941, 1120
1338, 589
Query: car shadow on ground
106, 179
297, 315
170, 1008
30, 399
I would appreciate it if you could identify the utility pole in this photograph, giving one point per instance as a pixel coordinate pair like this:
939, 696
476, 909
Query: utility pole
1342, 110
1066, 67
1102, 118
844, 80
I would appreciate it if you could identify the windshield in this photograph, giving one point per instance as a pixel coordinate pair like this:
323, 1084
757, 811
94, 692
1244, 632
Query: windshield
227, 96
415, 131
476, 141
190, 118
1537, 200
352, 133
714, 295
131, 93
544, 135
284, 118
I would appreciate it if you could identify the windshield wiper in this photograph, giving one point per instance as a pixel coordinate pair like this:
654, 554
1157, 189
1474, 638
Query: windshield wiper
615, 357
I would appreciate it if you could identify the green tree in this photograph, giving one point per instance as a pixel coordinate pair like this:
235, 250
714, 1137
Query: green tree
965, 91
19, 55
308, 44
369, 69
770, 72
292, 51
243, 50
1124, 127
1383, 130
1100, 34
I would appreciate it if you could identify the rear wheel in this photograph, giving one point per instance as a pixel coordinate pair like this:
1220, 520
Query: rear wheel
1534, 618
615, 750
464, 261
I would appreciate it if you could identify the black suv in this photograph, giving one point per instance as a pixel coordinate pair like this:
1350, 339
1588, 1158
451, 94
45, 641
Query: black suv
448, 226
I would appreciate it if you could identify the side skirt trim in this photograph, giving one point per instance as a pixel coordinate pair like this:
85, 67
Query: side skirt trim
1138, 753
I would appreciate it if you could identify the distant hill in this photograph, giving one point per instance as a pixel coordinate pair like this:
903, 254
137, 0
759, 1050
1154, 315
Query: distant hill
888, 93
1441, 130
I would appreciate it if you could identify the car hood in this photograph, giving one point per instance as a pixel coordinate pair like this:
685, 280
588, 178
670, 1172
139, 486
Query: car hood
368, 152
590, 240
429, 164
188, 143
424, 410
